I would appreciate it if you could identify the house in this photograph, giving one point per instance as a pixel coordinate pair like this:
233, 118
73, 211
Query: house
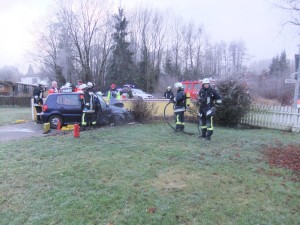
31, 78
6, 88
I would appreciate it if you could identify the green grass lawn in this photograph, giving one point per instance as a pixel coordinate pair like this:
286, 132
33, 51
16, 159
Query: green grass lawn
9, 115
147, 175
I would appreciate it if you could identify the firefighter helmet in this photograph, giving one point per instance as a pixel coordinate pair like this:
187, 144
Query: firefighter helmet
89, 84
178, 85
42, 83
83, 86
205, 81
68, 84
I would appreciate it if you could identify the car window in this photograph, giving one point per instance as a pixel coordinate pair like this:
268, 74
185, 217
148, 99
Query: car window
68, 100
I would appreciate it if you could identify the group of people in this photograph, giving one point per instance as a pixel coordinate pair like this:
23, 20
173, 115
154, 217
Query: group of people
208, 99
90, 101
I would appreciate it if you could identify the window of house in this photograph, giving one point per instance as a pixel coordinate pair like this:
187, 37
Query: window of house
1, 87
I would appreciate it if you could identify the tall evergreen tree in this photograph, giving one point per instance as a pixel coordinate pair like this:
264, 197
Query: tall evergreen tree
121, 66
279, 65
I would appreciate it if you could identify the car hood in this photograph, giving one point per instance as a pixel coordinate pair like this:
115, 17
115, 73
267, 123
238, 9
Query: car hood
115, 109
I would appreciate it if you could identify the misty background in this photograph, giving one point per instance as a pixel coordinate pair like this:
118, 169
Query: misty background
153, 47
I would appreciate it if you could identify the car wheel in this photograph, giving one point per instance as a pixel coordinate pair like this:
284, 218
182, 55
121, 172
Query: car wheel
118, 120
53, 120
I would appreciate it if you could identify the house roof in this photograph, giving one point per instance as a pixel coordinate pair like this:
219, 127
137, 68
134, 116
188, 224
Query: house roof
7, 83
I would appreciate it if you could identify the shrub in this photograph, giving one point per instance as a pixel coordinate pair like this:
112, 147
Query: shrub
236, 102
143, 111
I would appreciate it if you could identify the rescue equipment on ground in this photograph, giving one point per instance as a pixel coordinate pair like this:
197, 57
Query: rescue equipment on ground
46, 128
58, 126
76, 130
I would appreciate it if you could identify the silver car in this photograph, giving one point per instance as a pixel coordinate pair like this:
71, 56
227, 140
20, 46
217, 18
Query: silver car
138, 93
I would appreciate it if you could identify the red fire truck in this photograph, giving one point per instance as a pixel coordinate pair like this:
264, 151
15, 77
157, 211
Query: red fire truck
193, 87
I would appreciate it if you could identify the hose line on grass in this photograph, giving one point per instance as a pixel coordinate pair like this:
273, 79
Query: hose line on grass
170, 125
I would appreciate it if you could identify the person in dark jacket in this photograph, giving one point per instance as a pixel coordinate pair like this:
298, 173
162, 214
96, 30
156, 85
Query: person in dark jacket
38, 95
207, 99
88, 112
168, 93
180, 107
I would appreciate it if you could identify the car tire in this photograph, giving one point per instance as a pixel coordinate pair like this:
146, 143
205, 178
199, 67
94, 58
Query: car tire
118, 120
53, 120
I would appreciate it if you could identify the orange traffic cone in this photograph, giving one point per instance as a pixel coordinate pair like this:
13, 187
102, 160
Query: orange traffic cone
76, 130
58, 127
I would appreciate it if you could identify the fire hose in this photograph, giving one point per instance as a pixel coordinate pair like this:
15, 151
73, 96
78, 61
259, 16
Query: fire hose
170, 125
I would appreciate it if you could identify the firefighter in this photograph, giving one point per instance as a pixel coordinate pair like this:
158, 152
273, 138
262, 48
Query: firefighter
113, 94
179, 107
208, 97
88, 112
38, 95
168, 93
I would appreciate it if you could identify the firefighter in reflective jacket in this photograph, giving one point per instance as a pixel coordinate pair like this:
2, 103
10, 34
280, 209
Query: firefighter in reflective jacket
88, 112
179, 107
113, 94
207, 99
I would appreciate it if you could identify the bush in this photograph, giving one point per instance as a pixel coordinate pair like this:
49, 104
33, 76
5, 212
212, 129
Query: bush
143, 111
236, 102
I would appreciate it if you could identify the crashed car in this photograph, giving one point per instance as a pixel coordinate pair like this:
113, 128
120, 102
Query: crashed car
66, 108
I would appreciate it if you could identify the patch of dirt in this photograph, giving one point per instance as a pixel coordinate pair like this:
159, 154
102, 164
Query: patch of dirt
284, 156
171, 180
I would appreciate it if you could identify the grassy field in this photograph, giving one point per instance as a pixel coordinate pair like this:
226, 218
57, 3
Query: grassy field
147, 175
9, 115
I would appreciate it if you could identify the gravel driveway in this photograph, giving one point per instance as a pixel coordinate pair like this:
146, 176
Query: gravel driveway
20, 131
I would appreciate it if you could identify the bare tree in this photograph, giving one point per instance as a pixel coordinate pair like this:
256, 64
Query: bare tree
292, 7
74, 44
149, 30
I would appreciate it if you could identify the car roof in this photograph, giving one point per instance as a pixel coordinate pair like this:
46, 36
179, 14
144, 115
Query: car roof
66, 93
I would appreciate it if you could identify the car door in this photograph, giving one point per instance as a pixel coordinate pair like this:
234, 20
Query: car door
70, 107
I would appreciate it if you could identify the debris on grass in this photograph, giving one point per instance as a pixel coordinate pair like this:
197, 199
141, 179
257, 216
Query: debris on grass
284, 156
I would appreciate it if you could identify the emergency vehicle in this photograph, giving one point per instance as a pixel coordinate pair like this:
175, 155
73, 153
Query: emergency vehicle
193, 87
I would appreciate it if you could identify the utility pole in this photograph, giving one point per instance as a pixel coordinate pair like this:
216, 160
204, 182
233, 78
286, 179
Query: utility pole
296, 93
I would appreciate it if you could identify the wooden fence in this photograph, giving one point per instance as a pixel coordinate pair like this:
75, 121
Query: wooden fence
15, 101
274, 117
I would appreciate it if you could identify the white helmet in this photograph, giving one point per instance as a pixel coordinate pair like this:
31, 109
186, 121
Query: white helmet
178, 85
89, 84
83, 86
68, 84
169, 88
205, 81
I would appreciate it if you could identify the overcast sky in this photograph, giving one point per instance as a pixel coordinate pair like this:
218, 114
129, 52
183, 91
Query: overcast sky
256, 22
